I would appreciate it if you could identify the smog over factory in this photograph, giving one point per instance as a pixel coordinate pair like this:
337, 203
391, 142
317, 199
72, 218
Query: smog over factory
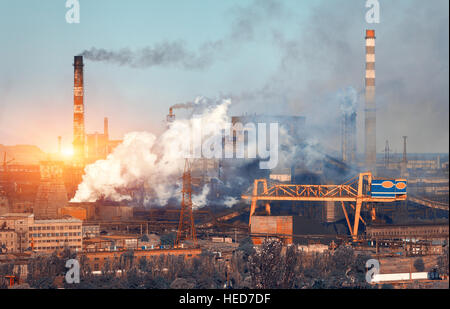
242, 144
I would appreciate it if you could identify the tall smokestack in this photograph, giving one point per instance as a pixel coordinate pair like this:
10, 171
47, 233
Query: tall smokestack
106, 128
370, 110
59, 145
78, 110
171, 116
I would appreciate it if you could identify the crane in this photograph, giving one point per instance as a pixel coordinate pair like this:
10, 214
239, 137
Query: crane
358, 190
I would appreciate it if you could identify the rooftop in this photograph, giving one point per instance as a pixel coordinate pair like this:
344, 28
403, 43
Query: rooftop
68, 220
13, 215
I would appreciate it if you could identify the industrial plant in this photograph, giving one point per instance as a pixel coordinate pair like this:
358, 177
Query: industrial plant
137, 203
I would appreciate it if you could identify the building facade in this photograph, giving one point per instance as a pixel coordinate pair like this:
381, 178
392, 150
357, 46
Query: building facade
42, 235
8, 241
51, 235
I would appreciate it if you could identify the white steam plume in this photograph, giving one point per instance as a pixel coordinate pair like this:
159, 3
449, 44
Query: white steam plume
156, 163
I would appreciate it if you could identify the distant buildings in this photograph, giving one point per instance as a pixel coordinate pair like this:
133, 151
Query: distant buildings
22, 232
8, 240
51, 194
99, 146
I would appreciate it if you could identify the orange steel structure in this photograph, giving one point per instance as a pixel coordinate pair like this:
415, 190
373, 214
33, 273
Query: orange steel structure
353, 191
186, 224
12, 280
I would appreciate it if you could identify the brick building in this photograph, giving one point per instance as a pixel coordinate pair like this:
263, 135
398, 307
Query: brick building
8, 241
20, 223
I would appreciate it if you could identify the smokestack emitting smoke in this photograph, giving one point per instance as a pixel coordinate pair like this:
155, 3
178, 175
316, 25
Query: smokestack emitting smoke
198, 102
370, 111
175, 53
78, 110
163, 54
157, 163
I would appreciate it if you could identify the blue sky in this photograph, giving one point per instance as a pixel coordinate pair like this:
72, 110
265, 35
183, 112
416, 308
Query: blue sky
37, 48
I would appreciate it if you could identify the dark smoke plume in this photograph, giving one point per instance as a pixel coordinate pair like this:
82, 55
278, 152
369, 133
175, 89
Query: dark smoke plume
176, 54
162, 54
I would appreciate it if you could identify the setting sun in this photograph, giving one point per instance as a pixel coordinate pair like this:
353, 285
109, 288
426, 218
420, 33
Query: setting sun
67, 152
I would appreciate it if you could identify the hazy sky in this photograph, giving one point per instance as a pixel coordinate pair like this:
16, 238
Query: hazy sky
275, 57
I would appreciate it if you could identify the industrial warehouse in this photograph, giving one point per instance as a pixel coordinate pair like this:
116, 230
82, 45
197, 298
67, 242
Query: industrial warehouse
138, 209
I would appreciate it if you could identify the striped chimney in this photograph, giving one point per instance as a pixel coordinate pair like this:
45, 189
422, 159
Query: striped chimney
370, 109
78, 110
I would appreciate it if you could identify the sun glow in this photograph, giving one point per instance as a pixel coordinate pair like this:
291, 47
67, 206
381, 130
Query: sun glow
67, 152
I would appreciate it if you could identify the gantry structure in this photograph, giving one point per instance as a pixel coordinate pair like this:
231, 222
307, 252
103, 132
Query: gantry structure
356, 192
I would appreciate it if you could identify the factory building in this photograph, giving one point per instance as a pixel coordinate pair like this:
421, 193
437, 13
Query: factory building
436, 231
98, 211
272, 225
51, 194
98, 145
74, 212
90, 208
19, 223
91, 230
289, 229
119, 212
8, 240
293, 126
43, 235
58, 234
97, 260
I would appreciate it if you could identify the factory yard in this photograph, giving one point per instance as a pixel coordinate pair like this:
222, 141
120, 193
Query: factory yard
315, 159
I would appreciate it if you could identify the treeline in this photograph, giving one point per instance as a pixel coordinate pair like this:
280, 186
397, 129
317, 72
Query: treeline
271, 267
